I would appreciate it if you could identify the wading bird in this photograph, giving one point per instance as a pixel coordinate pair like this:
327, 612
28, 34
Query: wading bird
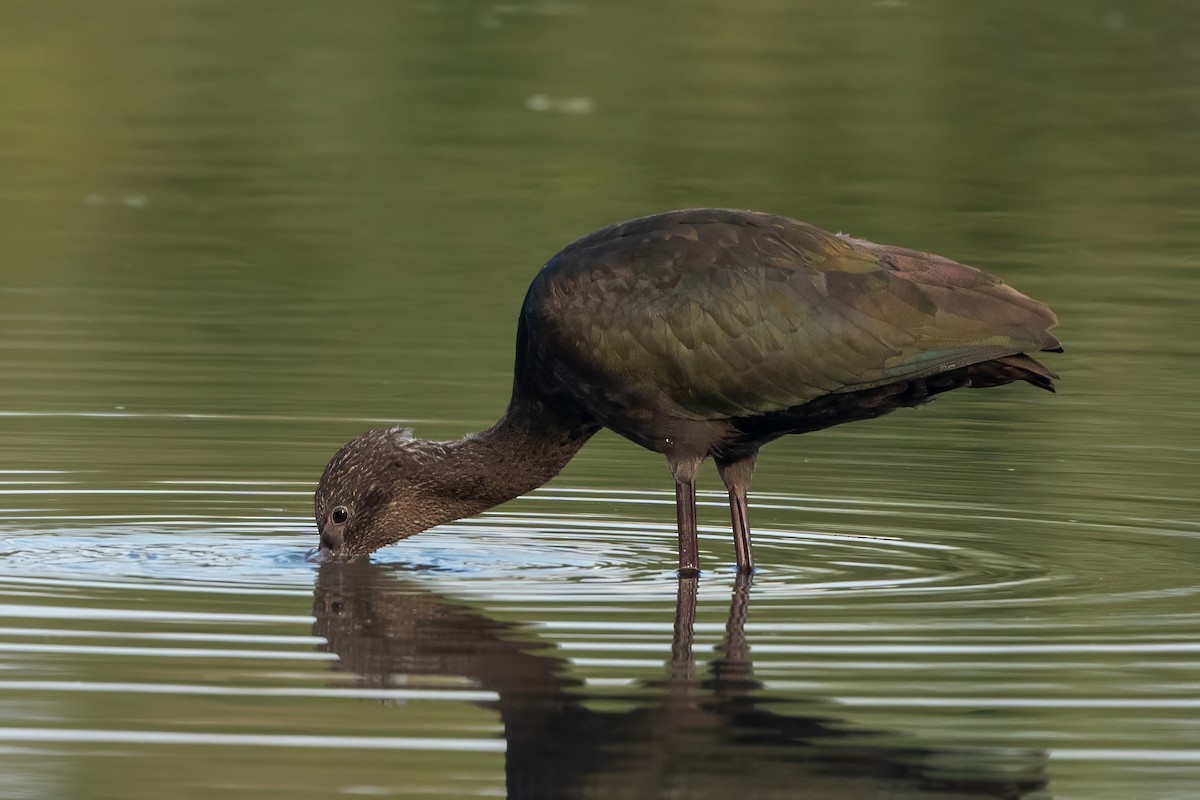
696, 333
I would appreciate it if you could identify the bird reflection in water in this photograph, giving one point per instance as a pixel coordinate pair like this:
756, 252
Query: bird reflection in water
713, 735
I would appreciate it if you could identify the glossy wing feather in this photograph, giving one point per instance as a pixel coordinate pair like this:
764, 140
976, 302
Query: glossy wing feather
711, 314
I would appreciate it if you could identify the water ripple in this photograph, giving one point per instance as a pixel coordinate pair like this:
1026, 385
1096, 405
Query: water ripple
579, 541
958, 624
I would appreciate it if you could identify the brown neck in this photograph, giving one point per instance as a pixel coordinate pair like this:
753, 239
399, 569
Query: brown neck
528, 446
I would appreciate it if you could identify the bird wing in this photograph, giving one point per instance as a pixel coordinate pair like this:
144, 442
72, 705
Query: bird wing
717, 314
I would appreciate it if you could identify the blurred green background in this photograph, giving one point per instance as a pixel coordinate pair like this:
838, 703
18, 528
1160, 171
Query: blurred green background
286, 208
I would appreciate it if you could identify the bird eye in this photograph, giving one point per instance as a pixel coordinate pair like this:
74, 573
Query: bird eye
339, 515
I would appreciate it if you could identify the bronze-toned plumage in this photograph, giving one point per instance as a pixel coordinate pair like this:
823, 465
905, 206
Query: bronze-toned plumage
697, 333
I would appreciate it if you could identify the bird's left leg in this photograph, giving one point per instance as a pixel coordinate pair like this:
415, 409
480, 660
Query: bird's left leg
736, 474
684, 470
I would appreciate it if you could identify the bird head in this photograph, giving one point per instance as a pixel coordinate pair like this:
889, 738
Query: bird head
370, 495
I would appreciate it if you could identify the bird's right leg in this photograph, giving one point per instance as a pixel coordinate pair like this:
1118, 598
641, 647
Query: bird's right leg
684, 471
736, 476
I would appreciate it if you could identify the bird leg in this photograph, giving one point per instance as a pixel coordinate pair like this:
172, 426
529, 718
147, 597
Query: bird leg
736, 475
684, 471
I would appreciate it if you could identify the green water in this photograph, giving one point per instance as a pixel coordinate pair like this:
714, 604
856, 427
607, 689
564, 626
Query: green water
232, 235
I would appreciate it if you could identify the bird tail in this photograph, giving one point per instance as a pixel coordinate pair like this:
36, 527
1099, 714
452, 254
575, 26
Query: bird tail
1019, 367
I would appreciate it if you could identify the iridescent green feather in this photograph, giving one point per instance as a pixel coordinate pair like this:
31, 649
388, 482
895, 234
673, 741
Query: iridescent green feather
714, 314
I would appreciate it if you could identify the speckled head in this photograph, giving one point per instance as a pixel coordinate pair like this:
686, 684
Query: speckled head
368, 495
386, 485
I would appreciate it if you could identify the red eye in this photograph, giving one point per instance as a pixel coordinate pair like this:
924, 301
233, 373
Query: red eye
340, 515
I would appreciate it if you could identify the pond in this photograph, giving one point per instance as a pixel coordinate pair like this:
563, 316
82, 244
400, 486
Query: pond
233, 235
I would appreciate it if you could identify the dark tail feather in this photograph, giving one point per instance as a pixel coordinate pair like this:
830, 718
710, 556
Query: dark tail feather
1019, 367
1050, 343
